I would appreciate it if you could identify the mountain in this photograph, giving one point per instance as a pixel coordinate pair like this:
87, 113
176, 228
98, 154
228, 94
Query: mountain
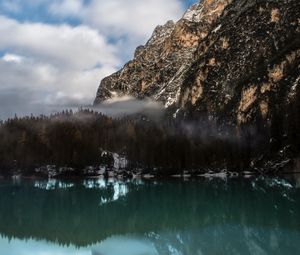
228, 74
235, 61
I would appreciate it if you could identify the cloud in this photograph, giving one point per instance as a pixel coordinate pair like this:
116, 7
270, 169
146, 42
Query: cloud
131, 17
62, 62
66, 7
50, 84
120, 17
126, 105
57, 64
72, 47
128, 23
12, 58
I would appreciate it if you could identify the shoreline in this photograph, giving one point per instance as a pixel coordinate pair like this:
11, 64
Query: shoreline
149, 177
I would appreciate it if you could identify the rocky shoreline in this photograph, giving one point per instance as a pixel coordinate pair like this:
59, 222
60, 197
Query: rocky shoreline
153, 175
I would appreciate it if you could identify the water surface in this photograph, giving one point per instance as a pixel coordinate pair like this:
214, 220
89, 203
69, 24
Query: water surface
110, 217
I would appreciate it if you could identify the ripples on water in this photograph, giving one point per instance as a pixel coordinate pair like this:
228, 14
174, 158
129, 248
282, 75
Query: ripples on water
109, 217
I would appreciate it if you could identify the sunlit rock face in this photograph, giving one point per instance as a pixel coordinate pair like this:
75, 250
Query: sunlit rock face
237, 59
158, 68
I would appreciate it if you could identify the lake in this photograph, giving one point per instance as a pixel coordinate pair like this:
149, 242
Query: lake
112, 217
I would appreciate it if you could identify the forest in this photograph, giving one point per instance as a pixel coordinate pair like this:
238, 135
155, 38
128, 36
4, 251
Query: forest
77, 138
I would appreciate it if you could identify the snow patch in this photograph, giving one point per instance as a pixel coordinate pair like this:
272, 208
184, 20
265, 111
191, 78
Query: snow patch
175, 114
120, 162
193, 14
217, 29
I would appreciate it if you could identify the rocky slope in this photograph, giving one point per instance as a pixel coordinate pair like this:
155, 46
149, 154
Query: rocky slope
237, 59
159, 68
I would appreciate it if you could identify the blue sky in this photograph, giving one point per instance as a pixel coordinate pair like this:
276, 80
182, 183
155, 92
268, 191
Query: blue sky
55, 52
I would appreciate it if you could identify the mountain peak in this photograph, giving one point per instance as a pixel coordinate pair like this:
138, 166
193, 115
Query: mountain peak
224, 58
207, 10
193, 13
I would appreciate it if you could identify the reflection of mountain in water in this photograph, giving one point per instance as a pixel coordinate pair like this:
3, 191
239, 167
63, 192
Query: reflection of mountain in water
187, 218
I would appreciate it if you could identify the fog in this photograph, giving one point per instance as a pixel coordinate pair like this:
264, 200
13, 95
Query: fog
20, 106
126, 105
116, 107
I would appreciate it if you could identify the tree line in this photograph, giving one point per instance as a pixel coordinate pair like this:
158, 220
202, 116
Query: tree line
77, 139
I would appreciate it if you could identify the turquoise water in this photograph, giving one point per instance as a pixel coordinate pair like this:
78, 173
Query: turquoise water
201, 217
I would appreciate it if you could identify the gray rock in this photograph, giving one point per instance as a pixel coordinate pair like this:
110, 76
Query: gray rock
230, 60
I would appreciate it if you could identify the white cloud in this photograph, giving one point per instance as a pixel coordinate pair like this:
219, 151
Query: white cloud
120, 17
63, 64
56, 64
32, 87
67, 7
77, 47
13, 58
128, 22
131, 17
51, 84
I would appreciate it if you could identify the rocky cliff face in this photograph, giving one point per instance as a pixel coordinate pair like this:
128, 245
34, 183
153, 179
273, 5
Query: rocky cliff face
231, 60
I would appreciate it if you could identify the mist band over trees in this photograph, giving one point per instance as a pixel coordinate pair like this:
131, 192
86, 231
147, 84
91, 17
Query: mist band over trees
164, 145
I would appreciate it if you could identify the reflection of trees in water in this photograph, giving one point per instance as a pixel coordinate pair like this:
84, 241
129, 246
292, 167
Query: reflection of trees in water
75, 214
228, 239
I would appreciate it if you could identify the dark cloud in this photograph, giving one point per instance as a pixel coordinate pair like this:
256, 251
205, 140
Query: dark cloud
20, 102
